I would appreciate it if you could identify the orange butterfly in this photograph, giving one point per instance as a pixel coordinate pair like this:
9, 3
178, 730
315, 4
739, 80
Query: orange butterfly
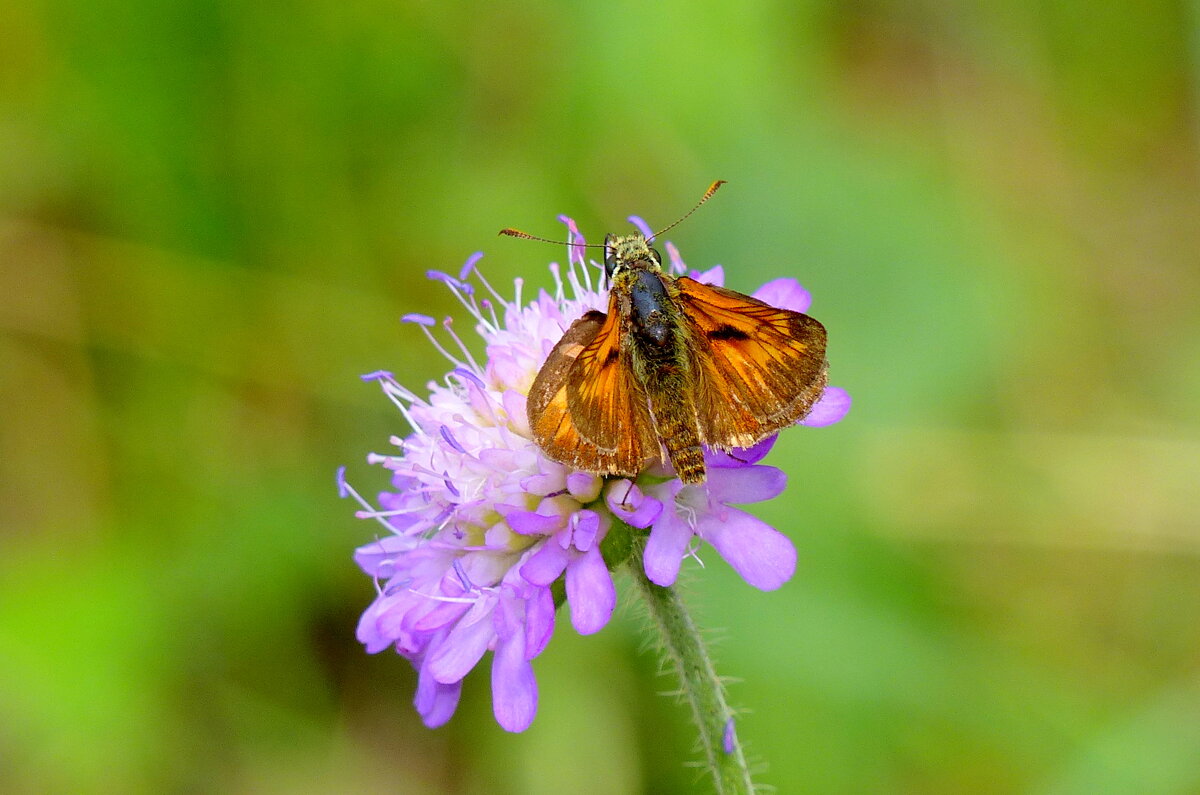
675, 364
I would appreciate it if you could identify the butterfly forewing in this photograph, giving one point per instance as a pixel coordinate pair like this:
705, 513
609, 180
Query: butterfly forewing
759, 368
584, 407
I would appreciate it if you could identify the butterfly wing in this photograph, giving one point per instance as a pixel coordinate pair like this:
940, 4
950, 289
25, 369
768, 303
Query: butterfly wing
585, 409
759, 368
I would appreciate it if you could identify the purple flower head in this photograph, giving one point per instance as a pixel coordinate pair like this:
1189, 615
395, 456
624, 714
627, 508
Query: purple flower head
481, 535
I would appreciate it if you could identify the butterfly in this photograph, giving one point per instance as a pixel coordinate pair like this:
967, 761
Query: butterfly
675, 364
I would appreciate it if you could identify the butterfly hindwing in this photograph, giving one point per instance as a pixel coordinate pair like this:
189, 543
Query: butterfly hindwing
758, 368
584, 407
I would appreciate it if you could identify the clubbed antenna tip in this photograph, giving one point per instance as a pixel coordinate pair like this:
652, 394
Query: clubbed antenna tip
707, 195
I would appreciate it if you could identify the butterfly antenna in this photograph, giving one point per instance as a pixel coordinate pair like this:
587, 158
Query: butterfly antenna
707, 195
510, 232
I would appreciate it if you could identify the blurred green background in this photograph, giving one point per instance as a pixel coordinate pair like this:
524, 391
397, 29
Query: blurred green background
213, 213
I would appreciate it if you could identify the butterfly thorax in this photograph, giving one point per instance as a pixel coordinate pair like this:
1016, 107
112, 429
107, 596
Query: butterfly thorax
643, 293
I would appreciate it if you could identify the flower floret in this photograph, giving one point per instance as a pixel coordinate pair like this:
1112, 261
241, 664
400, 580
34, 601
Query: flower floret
479, 530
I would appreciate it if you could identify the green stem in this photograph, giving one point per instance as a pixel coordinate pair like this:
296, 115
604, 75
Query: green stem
699, 683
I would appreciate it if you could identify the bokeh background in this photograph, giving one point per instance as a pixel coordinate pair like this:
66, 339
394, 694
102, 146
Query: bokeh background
213, 213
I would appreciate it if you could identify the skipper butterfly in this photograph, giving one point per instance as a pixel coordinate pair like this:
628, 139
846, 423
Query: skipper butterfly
673, 363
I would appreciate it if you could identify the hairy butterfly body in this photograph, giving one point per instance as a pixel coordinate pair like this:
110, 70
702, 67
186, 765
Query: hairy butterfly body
673, 363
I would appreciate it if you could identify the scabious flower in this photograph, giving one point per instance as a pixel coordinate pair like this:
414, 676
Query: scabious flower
481, 535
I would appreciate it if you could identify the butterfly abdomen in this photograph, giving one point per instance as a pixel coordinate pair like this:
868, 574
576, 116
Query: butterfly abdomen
674, 414
678, 430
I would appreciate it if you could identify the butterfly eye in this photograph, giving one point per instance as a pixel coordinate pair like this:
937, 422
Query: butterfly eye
610, 256
654, 255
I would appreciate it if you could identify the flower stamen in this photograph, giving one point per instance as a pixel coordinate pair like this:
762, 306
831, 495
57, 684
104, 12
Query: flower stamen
463, 578
440, 349
641, 225
348, 490
677, 265
448, 324
488, 285
448, 435
556, 272
494, 326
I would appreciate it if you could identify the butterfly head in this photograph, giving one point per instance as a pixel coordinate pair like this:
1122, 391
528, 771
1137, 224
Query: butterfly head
629, 252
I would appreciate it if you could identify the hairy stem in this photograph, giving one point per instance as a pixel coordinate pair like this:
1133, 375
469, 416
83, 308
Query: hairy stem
699, 683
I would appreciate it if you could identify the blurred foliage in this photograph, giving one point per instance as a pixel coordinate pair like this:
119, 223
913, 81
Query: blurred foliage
212, 214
